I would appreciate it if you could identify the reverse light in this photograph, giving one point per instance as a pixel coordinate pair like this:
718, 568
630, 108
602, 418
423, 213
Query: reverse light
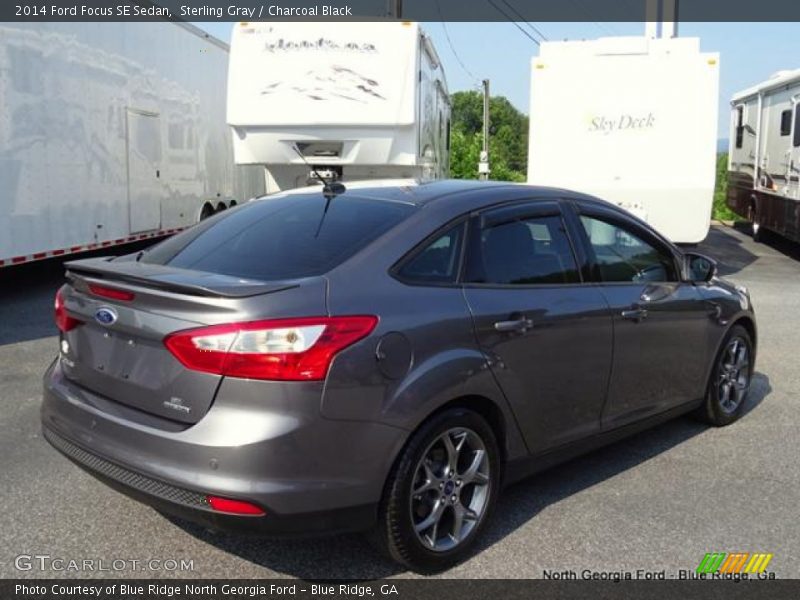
64, 322
280, 349
111, 293
237, 507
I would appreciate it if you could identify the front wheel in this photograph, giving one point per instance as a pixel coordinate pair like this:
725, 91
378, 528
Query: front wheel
441, 492
730, 379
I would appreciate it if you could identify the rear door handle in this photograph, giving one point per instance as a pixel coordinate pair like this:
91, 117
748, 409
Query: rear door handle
637, 313
515, 325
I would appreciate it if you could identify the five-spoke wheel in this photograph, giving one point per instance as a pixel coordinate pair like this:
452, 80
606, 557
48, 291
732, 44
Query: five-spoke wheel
441, 491
730, 379
451, 489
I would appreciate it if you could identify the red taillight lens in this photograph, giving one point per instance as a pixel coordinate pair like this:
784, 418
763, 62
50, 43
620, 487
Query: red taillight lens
281, 349
63, 321
112, 293
236, 507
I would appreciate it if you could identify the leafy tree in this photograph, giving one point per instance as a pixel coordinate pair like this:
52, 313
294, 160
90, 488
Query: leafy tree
721, 210
508, 138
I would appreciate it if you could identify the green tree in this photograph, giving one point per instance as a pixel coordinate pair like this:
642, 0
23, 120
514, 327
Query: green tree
508, 138
721, 210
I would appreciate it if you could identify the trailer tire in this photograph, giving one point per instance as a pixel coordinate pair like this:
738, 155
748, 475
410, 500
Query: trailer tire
206, 211
221, 206
755, 224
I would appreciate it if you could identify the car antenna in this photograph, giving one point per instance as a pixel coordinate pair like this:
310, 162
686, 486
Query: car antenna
330, 189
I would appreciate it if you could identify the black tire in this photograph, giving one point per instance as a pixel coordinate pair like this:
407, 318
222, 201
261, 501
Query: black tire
756, 229
207, 211
716, 411
401, 509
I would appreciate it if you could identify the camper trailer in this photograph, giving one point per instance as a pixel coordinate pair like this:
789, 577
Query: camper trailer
354, 101
111, 133
632, 120
764, 155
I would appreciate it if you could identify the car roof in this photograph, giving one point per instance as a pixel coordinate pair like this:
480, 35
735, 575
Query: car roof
409, 191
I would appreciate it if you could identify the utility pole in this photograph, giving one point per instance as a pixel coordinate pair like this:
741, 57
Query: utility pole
483, 162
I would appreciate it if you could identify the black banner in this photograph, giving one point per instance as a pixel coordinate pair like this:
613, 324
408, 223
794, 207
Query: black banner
414, 10
419, 589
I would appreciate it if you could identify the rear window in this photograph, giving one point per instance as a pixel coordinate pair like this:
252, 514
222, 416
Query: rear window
281, 238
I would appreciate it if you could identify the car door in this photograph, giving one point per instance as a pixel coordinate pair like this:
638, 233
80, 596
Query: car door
547, 334
660, 322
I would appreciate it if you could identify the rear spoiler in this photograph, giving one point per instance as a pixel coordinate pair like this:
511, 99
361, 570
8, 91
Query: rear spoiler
170, 279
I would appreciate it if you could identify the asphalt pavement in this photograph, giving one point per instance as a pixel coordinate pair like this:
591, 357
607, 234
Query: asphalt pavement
656, 501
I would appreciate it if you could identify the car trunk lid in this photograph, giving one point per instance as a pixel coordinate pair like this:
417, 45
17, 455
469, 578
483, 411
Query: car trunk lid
119, 350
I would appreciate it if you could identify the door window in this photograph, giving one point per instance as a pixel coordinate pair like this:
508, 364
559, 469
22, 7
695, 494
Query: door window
621, 256
524, 251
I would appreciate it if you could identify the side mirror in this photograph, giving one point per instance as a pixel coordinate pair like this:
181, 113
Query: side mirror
699, 268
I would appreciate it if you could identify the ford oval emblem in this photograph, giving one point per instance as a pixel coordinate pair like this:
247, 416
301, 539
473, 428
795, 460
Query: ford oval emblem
105, 315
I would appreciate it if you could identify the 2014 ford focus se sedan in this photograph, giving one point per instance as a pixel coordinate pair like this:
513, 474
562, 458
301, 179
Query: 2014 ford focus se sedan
385, 358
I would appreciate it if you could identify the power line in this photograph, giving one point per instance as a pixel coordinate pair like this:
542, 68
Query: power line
522, 18
452, 47
513, 22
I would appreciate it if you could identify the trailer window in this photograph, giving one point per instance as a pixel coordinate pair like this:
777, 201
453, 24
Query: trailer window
796, 138
739, 126
786, 122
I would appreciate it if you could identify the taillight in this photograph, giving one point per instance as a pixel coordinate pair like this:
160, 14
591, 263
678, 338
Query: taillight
281, 349
63, 321
111, 293
236, 507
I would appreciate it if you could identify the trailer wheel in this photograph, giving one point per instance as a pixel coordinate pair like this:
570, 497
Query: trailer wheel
221, 206
206, 212
755, 224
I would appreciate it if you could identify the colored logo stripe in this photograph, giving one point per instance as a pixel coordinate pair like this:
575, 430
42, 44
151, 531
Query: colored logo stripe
734, 562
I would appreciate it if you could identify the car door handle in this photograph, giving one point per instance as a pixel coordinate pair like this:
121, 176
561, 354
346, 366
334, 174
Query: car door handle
637, 313
514, 325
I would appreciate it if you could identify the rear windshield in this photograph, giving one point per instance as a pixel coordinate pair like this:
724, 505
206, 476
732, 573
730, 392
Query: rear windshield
281, 238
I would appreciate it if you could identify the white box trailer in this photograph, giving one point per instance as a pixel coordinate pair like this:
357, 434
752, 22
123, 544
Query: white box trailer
360, 100
632, 120
111, 133
764, 155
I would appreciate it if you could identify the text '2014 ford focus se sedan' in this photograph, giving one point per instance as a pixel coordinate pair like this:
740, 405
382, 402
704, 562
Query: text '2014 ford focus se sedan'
386, 358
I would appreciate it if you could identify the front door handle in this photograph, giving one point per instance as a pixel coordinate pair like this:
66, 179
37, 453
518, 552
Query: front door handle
637, 313
520, 325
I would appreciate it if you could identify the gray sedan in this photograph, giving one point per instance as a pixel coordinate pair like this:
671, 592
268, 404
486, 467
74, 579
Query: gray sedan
385, 358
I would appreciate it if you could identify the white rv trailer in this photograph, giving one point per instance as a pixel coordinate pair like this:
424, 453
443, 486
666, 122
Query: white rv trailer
111, 133
764, 155
632, 120
359, 100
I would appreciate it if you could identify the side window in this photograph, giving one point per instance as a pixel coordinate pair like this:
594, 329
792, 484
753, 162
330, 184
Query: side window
796, 137
525, 252
623, 257
786, 122
438, 261
739, 125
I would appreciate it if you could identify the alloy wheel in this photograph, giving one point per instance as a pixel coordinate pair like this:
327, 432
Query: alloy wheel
733, 378
450, 490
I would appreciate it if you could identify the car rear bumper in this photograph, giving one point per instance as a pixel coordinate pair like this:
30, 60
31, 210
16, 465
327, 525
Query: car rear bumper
309, 474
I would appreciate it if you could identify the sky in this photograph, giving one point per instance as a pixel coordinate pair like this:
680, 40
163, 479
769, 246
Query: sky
749, 52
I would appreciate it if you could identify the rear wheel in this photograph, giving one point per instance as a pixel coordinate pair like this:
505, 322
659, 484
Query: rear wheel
441, 492
207, 211
730, 379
